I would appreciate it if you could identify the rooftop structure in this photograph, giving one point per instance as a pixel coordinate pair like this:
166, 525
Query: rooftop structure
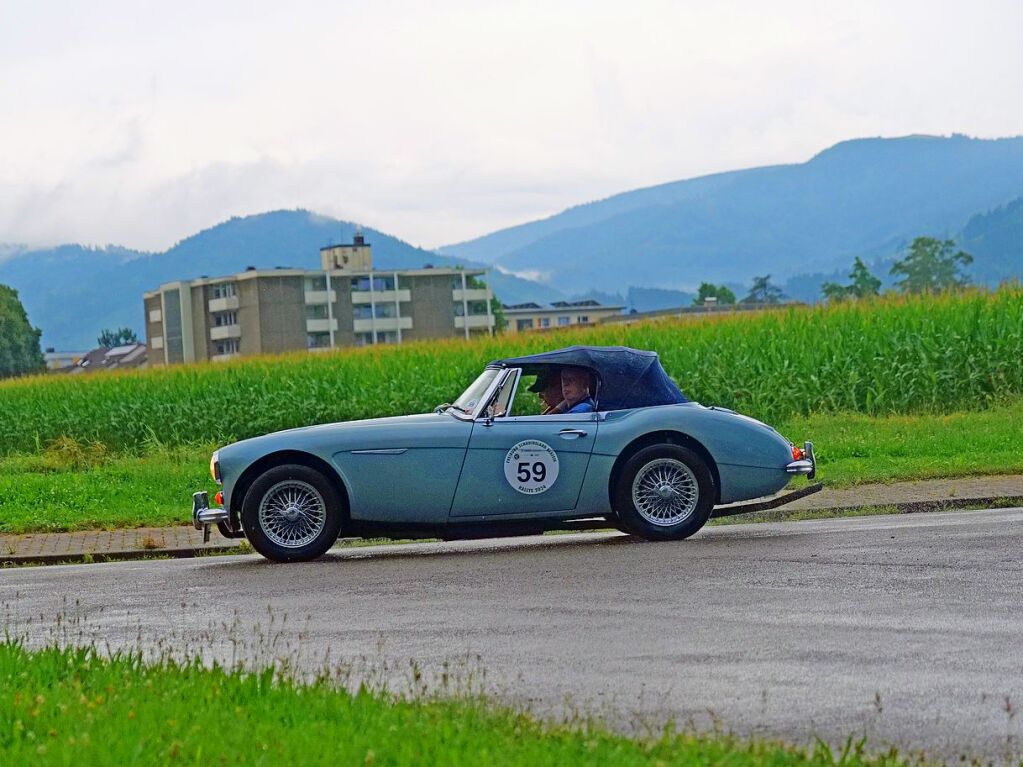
533, 316
125, 357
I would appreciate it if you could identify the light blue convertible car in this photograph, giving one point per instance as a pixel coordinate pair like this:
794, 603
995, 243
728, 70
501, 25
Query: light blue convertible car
644, 459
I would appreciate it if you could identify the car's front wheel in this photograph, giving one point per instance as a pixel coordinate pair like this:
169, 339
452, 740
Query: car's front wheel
664, 492
291, 513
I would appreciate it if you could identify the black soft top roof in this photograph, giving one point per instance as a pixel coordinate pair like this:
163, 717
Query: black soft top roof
629, 378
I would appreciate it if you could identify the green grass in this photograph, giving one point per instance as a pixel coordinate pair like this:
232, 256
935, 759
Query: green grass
113, 491
73, 488
856, 449
915, 355
73, 707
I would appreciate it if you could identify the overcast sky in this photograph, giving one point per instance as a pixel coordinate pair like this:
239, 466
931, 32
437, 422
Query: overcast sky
139, 123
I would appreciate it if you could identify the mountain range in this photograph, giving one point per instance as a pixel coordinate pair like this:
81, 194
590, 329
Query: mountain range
865, 197
72, 292
801, 223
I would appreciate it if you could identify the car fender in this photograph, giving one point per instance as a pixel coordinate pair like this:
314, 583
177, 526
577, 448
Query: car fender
749, 457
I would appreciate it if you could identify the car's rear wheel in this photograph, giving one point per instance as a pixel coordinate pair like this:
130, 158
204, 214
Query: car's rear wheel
291, 513
664, 492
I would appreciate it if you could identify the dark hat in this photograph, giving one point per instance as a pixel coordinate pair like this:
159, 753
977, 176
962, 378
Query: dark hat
543, 379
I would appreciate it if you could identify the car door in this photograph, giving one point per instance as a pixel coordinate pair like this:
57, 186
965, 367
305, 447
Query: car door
524, 465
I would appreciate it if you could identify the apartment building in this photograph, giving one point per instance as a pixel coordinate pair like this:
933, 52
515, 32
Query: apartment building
345, 303
533, 316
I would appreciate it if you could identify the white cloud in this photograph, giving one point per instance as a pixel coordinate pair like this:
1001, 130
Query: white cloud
139, 123
533, 275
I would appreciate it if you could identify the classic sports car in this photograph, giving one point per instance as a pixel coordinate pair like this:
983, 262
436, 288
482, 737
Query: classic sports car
645, 460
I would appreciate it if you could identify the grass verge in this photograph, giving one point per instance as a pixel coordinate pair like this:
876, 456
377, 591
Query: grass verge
72, 706
71, 487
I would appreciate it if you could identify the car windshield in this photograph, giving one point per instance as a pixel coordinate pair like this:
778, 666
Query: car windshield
471, 397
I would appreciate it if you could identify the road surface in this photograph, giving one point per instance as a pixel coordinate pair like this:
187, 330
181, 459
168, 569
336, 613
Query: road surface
908, 629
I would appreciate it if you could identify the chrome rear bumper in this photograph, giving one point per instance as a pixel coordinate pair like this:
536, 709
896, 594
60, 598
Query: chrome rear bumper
807, 466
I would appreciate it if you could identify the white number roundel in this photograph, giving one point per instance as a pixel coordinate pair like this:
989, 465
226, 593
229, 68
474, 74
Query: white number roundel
531, 467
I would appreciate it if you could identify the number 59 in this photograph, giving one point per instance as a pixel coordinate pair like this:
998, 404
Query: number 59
537, 472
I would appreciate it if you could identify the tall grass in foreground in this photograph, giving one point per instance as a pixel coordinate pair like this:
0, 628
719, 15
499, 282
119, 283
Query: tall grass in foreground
926, 354
74, 707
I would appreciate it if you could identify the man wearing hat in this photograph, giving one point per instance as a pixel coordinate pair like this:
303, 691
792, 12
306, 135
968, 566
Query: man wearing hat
548, 386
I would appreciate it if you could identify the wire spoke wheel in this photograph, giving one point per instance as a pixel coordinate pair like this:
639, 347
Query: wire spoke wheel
292, 513
665, 492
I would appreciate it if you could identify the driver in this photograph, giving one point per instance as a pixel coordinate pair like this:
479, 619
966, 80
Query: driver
548, 388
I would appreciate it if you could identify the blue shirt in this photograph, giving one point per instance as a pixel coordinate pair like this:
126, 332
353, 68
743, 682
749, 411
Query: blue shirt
583, 406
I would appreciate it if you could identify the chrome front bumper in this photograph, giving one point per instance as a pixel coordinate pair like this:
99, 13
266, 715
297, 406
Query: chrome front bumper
807, 466
203, 516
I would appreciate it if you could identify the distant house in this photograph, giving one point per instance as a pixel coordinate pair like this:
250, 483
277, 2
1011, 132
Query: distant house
59, 360
127, 357
533, 316
709, 306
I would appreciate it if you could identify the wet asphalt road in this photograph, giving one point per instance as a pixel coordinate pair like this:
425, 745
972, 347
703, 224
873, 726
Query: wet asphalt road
908, 629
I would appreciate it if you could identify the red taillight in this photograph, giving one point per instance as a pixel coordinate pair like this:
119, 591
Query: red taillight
219, 498
797, 454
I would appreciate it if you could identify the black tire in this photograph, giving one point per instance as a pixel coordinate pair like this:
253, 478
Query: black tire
690, 475
316, 525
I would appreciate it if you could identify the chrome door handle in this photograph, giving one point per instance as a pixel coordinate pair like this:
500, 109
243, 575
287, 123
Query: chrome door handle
571, 433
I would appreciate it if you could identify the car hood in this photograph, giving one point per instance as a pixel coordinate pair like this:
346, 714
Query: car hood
394, 431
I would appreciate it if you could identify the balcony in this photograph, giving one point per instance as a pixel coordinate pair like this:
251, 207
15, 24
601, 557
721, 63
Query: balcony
474, 321
318, 297
382, 324
219, 333
381, 296
224, 357
470, 294
226, 304
320, 326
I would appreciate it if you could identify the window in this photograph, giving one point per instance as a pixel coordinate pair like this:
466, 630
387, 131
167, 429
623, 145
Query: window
223, 290
316, 311
383, 310
316, 283
477, 307
564, 320
387, 337
545, 322
229, 346
378, 283
363, 339
220, 319
317, 340
524, 324
584, 318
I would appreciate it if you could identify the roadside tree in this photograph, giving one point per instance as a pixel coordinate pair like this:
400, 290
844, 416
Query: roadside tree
932, 266
708, 290
764, 292
864, 284
108, 339
19, 341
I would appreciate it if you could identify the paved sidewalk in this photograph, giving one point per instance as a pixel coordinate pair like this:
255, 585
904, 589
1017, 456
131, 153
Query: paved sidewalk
185, 541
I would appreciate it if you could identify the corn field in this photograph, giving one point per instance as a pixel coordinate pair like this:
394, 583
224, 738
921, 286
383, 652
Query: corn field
925, 354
